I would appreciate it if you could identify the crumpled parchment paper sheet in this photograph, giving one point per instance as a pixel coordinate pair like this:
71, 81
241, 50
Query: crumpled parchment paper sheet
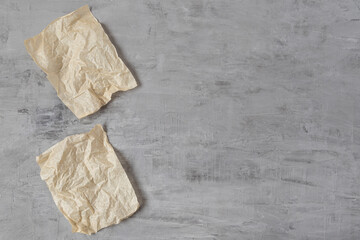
80, 62
87, 181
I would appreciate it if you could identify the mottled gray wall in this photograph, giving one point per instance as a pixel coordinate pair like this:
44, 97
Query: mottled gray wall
246, 124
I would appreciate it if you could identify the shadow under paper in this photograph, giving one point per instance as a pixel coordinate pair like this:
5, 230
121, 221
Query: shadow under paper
130, 175
118, 50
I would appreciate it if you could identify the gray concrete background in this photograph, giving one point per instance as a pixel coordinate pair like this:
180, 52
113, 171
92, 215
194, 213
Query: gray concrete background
246, 124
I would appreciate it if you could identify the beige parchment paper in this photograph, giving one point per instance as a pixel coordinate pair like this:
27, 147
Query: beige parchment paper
87, 181
80, 61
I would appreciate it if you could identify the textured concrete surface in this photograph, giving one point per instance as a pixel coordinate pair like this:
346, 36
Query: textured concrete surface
246, 124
